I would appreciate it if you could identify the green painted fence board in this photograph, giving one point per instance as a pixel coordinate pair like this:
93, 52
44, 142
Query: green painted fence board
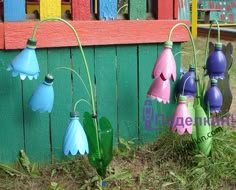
11, 130
147, 57
137, 9
60, 57
106, 90
127, 87
79, 91
37, 139
121, 77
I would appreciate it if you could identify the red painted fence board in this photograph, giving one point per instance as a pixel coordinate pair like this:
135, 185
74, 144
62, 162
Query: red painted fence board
165, 9
81, 10
57, 34
176, 9
1, 35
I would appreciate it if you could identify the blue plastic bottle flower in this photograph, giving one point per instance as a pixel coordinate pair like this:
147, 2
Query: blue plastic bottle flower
75, 140
42, 98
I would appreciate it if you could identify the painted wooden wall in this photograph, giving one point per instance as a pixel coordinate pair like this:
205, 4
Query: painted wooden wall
122, 76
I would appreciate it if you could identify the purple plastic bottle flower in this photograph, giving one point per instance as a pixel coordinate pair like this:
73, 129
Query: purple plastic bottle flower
187, 84
165, 66
216, 63
182, 120
160, 90
213, 97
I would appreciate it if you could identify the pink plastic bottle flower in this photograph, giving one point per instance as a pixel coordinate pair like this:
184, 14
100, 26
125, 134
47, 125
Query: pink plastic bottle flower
160, 90
182, 120
165, 66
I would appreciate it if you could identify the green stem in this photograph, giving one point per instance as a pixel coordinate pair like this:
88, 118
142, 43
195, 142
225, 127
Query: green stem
194, 53
207, 48
78, 75
123, 6
81, 100
85, 64
208, 39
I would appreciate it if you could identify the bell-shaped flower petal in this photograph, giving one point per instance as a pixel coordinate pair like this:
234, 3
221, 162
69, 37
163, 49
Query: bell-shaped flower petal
42, 98
182, 119
187, 84
160, 90
216, 63
25, 63
75, 140
165, 66
213, 97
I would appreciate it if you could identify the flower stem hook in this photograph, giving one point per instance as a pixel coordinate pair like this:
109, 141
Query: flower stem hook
194, 52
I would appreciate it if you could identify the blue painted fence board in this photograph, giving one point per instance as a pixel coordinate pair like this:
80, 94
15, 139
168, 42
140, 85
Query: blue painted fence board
14, 10
107, 9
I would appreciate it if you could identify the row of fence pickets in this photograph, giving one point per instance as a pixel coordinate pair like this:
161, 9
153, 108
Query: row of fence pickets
87, 9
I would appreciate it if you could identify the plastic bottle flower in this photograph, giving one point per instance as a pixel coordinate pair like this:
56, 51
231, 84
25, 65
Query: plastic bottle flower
42, 98
75, 140
160, 90
182, 120
165, 66
213, 97
187, 84
216, 63
25, 63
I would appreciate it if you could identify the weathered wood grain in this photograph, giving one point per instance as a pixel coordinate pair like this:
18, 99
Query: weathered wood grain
50, 8
137, 9
81, 10
165, 9
14, 10
107, 9
56, 34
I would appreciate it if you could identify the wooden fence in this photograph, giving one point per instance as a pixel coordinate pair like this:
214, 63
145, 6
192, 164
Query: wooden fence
121, 55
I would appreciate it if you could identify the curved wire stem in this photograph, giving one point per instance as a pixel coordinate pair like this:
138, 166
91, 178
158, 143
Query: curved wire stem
208, 39
207, 51
86, 67
81, 100
194, 54
78, 75
185, 84
123, 6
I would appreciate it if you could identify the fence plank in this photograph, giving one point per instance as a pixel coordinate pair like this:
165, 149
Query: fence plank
176, 9
105, 73
137, 9
107, 9
147, 57
14, 10
60, 57
79, 91
11, 130
37, 139
81, 10
127, 88
165, 9
50, 8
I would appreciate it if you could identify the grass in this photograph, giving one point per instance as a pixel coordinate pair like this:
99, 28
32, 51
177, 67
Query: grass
169, 163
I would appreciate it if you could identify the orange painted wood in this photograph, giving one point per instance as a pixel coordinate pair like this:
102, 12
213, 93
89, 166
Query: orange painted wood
165, 9
1, 35
81, 10
57, 34
176, 9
